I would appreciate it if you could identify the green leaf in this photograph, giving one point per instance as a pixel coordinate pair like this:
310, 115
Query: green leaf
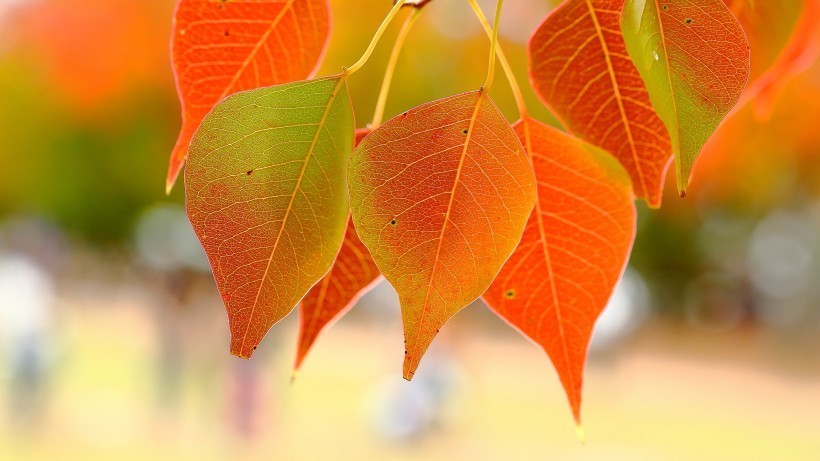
266, 192
694, 58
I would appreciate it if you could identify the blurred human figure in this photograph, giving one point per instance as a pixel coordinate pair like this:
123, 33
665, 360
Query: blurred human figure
32, 250
26, 302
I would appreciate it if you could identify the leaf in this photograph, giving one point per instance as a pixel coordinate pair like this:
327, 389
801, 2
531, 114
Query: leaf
352, 275
222, 47
440, 196
266, 193
579, 67
768, 25
574, 249
800, 52
694, 58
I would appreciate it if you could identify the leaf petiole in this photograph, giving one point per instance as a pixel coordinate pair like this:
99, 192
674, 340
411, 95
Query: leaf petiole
378, 113
378, 35
502, 58
493, 44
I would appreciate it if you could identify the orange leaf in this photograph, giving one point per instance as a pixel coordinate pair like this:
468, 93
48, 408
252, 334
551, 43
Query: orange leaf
440, 195
222, 47
574, 250
352, 275
801, 51
580, 68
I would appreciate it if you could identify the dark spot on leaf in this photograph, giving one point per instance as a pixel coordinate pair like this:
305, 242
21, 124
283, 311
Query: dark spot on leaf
393, 222
250, 172
509, 294
665, 7
465, 131
227, 32
688, 20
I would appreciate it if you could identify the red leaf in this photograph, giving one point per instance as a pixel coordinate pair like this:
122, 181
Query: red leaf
222, 47
573, 252
352, 275
440, 196
580, 68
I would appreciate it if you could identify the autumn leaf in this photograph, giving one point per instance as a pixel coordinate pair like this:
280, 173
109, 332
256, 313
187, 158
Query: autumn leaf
353, 274
768, 25
574, 249
440, 196
800, 52
694, 58
579, 67
222, 47
266, 193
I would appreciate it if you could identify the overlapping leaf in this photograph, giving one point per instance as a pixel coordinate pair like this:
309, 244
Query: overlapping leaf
352, 275
694, 58
266, 193
440, 195
800, 51
580, 68
574, 249
221, 47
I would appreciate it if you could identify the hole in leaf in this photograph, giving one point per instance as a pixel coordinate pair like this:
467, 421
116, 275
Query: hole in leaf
393, 222
465, 131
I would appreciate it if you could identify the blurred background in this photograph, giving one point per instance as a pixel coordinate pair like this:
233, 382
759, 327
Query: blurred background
114, 342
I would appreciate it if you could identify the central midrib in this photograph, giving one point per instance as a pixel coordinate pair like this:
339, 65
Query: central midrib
470, 130
290, 205
617, 89
256, 48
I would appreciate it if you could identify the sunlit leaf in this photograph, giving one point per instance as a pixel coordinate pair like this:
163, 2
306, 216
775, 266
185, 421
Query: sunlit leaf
266, 193
352, 275
440, 195
694, 58
573, 252
222, 47
800, 52
580, 68
768, 24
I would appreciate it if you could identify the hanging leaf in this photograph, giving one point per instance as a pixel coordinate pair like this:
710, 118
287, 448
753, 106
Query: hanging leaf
440, 196
800, 52
580, 68
222, 47
352, 275
573, 252
266, 193
768, 25
694, 58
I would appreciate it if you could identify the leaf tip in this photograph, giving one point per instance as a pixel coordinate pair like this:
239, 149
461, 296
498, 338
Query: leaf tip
410, 367
243, 352
171, 179
579, 431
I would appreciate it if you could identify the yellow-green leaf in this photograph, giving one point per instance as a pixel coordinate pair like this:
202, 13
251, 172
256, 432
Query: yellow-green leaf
694, 58
266, 192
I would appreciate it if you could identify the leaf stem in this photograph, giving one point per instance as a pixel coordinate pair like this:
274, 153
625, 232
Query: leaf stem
505, 64
493, 44
378, 114
379, 32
